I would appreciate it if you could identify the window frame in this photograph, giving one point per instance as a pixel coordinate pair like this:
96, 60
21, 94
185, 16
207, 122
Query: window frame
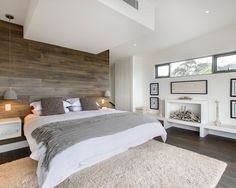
215, 62
160, 65
214, 66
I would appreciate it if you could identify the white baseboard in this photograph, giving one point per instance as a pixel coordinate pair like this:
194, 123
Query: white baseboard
13, 146
210, 132
222, 134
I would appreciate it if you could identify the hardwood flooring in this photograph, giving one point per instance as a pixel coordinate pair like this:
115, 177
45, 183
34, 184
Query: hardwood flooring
212, 146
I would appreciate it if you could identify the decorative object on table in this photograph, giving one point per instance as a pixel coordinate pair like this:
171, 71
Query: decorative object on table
154, 89
154, 103
9, 94
107, 94
233, 87
233, 109
185, 98
189, 87
185, 115
217, 121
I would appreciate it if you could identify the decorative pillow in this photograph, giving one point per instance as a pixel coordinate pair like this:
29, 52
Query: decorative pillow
37, 105
66, 104
89, 103
74, 101
52, 106
75, 108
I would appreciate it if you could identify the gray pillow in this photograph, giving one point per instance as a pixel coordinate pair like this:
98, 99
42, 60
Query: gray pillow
89, 103
52, 106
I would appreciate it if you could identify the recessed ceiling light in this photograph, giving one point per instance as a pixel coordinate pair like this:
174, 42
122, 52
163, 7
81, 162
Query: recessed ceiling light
134, 44
207, 11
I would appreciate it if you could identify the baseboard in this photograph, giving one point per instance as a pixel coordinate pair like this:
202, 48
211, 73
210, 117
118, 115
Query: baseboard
222, 134
13, 146
210, 132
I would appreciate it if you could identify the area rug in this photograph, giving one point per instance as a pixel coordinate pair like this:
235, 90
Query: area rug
153, 164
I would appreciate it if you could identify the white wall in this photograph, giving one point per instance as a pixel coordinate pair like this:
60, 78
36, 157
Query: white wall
123, 84
112, 82
218, 84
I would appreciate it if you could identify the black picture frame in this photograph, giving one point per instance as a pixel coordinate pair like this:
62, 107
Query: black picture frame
154, 88
233, 109
154, 103
233, 87
204, 93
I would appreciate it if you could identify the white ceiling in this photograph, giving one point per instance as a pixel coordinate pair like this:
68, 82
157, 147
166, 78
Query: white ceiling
18, 8
176, 21
85, 25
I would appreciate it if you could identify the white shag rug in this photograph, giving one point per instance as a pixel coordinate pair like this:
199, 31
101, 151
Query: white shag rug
153, 164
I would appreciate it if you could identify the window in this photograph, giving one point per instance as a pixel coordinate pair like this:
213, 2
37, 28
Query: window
192, 67
162, 71
225, 63
199, 66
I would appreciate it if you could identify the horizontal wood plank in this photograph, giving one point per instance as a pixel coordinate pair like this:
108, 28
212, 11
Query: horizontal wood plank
39, 70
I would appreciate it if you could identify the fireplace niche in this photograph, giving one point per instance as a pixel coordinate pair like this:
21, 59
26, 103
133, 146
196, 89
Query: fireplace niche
189, 112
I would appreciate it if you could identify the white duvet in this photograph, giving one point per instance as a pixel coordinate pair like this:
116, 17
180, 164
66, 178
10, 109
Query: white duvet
88, 152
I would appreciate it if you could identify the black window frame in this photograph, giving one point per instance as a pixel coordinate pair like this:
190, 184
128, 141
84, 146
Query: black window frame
214, 66
215, 62
160, 65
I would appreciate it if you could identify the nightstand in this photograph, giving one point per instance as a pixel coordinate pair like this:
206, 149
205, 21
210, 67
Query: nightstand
11, 135
10, 128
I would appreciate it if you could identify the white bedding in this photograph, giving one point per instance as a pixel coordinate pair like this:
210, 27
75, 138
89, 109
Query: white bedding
88, 152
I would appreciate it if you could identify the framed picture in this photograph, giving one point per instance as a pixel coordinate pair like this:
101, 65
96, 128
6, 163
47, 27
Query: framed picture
233, 87
233, 109
154, 89
154, 103
189, 87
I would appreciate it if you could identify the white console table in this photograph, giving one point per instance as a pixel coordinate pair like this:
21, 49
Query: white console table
204, 127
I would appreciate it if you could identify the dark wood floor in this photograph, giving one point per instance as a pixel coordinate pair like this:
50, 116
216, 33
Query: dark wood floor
213, 146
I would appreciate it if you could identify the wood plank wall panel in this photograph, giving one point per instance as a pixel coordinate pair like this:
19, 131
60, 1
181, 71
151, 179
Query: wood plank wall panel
40, 70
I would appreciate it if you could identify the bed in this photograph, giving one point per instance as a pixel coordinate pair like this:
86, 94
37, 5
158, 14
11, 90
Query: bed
88, 151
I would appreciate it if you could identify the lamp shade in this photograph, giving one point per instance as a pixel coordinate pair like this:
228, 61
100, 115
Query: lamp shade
107, 93
10, 94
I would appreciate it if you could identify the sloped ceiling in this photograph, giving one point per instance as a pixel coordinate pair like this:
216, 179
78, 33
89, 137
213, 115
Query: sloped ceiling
176, 21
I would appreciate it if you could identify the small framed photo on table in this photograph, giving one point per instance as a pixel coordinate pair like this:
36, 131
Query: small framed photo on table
154, 89
233, 87
154, 103
233, 109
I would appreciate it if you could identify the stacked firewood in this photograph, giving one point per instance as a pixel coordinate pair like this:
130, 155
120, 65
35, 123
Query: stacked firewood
185, 115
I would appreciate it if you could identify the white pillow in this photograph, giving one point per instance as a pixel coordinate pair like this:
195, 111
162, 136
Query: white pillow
66, 104
37, 105
74, 101
75, 108
39, 112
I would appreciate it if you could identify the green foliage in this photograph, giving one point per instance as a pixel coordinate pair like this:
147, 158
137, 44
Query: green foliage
192, 68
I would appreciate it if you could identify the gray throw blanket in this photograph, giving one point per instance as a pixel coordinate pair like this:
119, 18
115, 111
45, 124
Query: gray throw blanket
59, 136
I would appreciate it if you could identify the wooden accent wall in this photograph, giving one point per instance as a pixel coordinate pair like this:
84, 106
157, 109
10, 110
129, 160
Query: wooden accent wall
39, 70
